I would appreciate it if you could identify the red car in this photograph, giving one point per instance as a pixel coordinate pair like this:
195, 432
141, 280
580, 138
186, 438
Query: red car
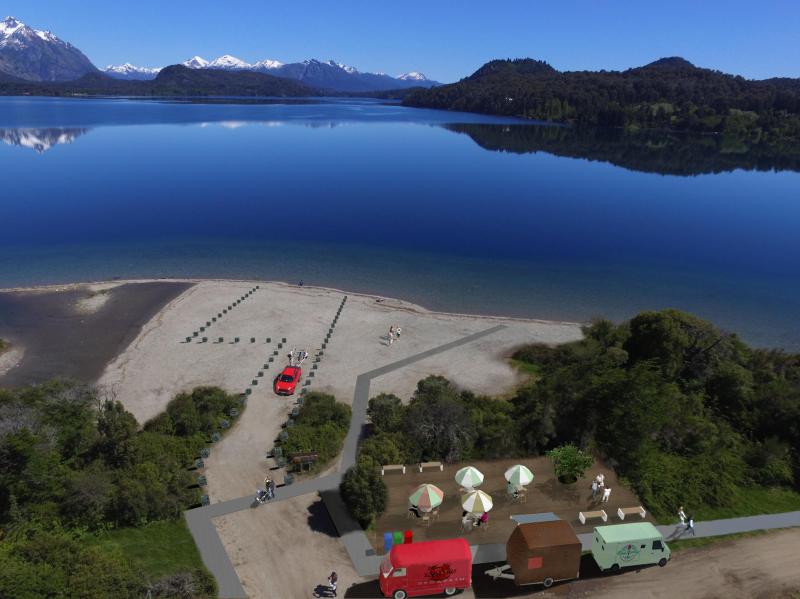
287, 380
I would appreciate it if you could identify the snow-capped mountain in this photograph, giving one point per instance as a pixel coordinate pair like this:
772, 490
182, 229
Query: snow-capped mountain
38, 55
130, 72
229, 63
40, 140
316, 73
412, 76
196, 62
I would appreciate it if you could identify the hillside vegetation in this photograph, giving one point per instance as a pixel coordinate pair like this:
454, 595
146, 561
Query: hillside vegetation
670, 93
88, 500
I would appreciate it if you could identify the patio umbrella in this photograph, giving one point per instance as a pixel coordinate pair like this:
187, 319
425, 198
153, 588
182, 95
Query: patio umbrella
469, 477
476, 502
426, 497
519, 475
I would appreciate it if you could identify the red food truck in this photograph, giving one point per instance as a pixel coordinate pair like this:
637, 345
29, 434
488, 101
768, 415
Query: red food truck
428, 568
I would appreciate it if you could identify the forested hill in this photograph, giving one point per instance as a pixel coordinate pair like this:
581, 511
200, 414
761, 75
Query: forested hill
670, 93
175, 80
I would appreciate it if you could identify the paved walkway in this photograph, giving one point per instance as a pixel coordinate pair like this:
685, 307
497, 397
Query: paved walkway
360, 550
355, 541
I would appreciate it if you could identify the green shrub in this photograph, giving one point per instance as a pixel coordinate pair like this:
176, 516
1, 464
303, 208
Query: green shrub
364, 493
569, 462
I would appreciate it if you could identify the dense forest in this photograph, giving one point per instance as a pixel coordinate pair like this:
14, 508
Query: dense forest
662, 152
75, 466
687, 414
670, 93
172, 81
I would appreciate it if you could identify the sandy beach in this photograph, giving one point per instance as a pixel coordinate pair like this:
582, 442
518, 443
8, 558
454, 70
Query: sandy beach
157, 363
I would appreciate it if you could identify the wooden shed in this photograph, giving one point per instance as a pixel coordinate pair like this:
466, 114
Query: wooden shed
543, 552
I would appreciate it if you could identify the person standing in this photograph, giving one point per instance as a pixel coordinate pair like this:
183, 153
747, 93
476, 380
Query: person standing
682, 516
397, 330
333, 580
595, 486
391, 334
690, 525
606, 494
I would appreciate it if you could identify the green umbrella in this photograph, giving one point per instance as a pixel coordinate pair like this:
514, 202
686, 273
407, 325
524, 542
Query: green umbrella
519, 475
426, 497
469, 477
476, 502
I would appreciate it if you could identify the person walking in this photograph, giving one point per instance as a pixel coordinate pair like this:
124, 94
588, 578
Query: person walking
269, 486
690, 525
606, 494
595, 486
391, 334
682, 516
397, 330
333, 580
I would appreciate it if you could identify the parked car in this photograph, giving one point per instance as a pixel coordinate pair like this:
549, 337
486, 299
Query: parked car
286, 381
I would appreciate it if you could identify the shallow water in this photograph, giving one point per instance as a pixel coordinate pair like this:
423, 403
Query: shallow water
456, 212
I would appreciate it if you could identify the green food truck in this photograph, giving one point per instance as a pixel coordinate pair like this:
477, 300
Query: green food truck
622, 545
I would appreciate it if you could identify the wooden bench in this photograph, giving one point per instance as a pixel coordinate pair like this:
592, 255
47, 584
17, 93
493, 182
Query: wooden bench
304, 459
392, 467
583, 516
438, 465
630, 511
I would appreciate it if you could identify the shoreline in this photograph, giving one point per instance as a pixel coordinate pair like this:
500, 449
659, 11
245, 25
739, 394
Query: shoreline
395, 302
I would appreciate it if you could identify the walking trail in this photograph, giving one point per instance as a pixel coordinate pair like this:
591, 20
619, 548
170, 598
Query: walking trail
363, 556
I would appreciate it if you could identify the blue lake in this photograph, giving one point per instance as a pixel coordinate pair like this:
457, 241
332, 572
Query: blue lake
457, 212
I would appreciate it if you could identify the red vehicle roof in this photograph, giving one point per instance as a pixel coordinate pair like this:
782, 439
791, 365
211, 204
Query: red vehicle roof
429, 552
291, 370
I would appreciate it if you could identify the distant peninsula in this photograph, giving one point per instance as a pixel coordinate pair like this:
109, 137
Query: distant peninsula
670, 93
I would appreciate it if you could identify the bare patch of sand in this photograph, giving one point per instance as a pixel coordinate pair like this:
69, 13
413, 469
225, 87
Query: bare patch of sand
285, 549
95, 300
159, 363
10, 357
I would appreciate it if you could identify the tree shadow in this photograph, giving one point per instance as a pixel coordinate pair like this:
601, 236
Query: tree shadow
319, 520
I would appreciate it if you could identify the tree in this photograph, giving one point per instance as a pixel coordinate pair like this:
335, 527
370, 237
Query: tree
380, 449
115, 426
386, 412
569, 462
364, 493
437, 422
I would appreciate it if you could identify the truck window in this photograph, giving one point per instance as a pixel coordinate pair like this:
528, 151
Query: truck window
642, 547
658, 545
399, 572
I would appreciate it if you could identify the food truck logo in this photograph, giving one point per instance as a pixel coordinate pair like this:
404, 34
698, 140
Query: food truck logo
440, 572
628, 553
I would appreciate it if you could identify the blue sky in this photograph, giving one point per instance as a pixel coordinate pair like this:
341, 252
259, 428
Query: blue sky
444, 39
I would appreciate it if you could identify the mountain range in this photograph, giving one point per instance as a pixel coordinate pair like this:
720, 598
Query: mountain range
319, 74
35, 55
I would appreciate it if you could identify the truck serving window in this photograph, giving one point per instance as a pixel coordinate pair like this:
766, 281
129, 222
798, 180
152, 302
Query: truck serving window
658, 545
399, 572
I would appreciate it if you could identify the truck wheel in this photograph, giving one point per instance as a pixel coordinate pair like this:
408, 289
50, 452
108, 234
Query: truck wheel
450, 591
615, 568
400, 594
662, 562
547, 582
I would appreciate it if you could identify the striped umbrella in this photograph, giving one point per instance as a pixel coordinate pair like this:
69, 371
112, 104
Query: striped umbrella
476, 502
519, 475
426, 497
469, 477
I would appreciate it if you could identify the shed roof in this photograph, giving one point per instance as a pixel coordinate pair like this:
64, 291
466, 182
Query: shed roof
547, 534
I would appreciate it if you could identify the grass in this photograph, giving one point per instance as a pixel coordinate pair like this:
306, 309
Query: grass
751, 501
4, 344
157, 549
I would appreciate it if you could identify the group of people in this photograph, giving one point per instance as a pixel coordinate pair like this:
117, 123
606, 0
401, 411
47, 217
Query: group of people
394, 333
297, 357
599, 488
470, 520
